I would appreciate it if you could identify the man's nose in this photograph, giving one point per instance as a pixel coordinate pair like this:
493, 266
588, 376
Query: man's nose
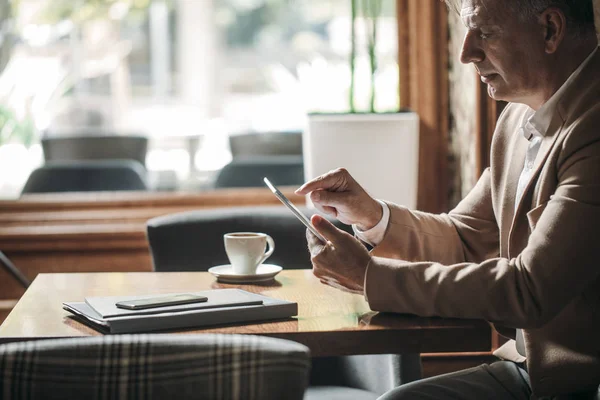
471, 50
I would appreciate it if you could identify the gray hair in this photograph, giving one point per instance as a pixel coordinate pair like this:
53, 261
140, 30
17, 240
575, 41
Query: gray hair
579, 13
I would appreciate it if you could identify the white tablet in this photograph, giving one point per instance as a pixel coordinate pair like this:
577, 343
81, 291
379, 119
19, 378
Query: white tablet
294, 210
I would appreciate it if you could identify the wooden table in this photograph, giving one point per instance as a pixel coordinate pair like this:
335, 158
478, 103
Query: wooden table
330, 322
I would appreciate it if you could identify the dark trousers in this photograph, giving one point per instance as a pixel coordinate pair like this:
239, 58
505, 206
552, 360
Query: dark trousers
502, 380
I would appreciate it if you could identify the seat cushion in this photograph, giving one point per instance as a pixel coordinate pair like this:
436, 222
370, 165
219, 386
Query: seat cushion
337, 393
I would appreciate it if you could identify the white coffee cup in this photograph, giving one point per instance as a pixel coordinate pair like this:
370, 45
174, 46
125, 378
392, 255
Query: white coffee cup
246, 250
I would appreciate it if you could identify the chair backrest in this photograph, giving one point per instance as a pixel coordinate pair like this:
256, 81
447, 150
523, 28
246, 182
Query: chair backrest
250, 171
155, 367
95, 147
193, 240
86, 176
266, 143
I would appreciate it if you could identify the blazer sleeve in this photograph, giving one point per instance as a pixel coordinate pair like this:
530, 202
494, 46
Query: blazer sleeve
559, 260
468, 233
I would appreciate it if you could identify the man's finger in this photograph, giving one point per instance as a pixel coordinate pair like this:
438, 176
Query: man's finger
325, 209
318, 183
326, 228
315, 245
325, 198
324, 181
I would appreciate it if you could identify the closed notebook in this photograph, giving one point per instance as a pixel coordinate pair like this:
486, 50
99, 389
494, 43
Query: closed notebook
106, 308
183, 317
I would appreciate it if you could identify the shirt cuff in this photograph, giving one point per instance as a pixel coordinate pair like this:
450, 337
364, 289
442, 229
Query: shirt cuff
375, 235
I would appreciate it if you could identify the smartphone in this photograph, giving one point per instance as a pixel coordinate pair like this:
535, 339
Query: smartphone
162, 301
294, 210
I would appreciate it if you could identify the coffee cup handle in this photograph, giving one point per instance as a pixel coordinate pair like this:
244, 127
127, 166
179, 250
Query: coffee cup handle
271, 243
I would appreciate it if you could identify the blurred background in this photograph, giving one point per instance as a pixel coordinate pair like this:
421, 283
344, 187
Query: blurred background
180, 86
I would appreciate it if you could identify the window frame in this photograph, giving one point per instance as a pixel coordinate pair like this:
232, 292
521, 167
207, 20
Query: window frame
423, 69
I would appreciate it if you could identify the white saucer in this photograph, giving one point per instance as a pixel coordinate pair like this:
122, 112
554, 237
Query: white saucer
264, 272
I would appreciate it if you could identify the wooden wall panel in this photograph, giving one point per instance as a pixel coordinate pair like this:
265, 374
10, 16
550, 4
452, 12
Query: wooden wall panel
423, 68
35, 262
96, 232
5, 308
119, 200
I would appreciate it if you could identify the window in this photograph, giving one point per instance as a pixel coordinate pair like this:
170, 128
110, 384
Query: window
185, 73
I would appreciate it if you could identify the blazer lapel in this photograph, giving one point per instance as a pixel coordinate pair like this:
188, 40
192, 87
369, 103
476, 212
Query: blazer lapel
515, 159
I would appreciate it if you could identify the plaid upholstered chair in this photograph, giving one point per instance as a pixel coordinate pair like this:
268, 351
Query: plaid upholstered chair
155, 367
193, 241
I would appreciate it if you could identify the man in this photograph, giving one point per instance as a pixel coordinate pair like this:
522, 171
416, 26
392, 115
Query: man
522, 250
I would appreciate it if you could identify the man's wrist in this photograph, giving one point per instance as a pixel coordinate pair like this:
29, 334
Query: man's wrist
374, 219
375, 235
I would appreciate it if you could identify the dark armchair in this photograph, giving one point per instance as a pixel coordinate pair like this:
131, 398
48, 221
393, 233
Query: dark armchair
288, 143
90, 145
276, 155
86, 176
250, 171
193, 240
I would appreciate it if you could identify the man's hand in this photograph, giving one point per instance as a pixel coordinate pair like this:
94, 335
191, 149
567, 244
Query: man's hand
337, 194
342, 261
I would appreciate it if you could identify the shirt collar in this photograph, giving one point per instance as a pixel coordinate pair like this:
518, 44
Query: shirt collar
538, 122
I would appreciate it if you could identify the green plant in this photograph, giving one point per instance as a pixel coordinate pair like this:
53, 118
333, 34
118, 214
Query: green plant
14, 130
80, 11
6, 37
371, 10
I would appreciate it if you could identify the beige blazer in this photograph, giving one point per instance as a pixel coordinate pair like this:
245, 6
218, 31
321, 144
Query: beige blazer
537, 268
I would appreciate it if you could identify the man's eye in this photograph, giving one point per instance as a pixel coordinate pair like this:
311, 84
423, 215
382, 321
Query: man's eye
484, 36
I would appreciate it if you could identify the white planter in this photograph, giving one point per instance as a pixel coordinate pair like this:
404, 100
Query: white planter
381, 151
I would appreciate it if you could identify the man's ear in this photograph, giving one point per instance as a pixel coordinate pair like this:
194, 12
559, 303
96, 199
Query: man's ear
554, 21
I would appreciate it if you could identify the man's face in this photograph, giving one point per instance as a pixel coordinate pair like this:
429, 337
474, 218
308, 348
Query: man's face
507, 53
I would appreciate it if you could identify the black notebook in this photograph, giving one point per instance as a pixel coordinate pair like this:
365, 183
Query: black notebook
224, 306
